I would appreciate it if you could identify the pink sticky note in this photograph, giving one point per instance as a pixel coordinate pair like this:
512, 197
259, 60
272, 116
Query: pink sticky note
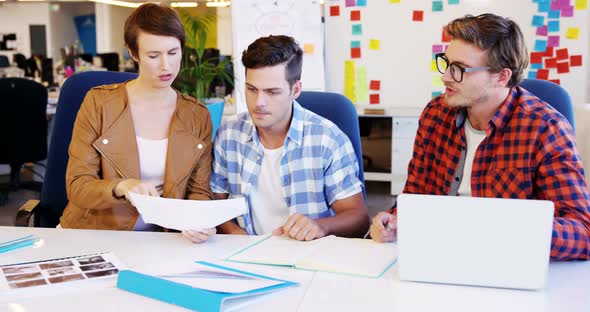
567, 12
350, 3
437, 48
553, 41
542, 31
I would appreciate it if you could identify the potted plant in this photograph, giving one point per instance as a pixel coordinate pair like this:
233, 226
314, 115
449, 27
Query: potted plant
198, 71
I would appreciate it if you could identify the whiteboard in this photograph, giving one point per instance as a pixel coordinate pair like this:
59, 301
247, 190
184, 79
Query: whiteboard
300, 19
403, 62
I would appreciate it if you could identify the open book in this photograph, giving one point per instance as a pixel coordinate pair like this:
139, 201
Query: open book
206, 287
351, 256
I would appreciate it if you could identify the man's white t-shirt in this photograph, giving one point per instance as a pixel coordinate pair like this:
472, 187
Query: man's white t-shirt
473, 138
269, 209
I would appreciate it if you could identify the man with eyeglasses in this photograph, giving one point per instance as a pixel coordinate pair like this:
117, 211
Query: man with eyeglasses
488, 137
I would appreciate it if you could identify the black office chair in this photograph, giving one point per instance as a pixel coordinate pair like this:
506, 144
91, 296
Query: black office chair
110, 61
4, 62
23, 129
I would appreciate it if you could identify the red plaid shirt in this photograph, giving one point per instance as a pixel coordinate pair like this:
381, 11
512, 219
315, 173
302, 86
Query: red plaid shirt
529, 152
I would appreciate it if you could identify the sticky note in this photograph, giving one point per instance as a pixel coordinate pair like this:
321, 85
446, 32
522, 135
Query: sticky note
435, 93
437, 6
374, 99
554, 6
538, 20
349, 80
418, 16
361, 3
532, 74
542, 31
576, 60
581, 4
355, 44
433, 67
362, 91
375, 85
355, 52
567, 12
563, 67
553, 26
548, 52
453, 2
308, 48
357, 29
543, 6
334, 10
550, 63
553, 41
445, 35
562, 54
543, 74
536, 57
350, 3
394, 1
553, 14
437, 48
572, 33
540, 45
437, 81
556, 81
536, 66
374, 44
355, 15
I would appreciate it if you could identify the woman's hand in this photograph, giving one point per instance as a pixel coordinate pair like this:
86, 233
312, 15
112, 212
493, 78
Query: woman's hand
199, 236
135, 186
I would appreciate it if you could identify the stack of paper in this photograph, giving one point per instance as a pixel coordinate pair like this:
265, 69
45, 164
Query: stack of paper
13, 243
183, 214
351, 256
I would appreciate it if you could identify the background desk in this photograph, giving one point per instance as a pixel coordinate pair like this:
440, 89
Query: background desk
568, 285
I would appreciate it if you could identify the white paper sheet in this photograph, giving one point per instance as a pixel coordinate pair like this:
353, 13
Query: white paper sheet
181, 214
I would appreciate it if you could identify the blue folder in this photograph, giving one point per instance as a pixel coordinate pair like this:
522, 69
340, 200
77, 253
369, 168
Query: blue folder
187, 296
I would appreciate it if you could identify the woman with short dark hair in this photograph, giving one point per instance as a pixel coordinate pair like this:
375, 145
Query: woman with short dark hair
139, 136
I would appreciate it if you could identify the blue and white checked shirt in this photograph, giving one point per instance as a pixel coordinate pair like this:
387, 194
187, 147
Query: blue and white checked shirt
318, 167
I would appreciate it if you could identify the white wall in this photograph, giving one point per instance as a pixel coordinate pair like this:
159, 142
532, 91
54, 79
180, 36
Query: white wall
110, 23
224, 36
16, 18
63, 28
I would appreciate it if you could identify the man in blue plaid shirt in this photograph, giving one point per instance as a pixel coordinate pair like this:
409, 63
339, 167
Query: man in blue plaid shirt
297, 170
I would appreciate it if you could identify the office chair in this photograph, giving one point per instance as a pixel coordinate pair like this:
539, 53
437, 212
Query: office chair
553, 94
23, 129
4, 62
110, 61
49, 208
338, 109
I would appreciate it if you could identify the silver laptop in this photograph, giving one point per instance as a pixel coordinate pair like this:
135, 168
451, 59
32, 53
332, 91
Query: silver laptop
474, 241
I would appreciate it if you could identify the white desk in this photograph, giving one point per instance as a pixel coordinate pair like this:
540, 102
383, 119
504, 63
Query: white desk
568, 286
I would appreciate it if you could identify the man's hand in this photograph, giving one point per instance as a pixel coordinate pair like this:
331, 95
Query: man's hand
126, 186
384, 228
301, 228
199, 236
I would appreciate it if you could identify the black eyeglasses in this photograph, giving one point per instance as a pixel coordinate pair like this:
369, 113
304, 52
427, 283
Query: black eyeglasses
457, 71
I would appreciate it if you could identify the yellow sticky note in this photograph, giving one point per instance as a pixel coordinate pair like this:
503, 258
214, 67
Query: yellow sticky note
374, 44
437, 81
308, 48
572, 33
433, 66
349, 81
362, 89
581, 4
394, 1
